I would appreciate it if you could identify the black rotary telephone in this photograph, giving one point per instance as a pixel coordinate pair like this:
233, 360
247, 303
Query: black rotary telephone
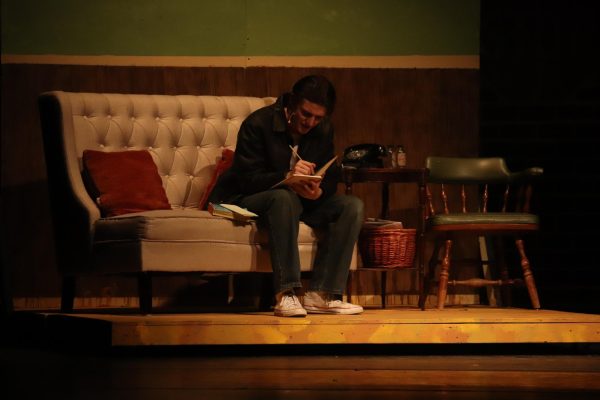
364, 155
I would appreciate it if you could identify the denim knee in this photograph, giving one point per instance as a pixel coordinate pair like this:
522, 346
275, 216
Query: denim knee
354, 209
282, 201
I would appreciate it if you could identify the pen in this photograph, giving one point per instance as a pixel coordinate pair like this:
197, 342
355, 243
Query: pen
295, 153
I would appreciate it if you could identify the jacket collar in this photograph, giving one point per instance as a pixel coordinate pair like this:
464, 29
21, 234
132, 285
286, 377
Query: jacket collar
279, 121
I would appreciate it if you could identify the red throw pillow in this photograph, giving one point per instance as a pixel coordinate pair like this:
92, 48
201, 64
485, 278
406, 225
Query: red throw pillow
124, 182
223, 164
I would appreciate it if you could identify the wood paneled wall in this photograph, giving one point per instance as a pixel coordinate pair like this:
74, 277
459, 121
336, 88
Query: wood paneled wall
429, 111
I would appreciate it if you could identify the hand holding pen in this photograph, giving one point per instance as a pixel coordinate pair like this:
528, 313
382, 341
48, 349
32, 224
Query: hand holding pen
309, 190
302, 166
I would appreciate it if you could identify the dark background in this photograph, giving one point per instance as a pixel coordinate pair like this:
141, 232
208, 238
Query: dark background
540, 105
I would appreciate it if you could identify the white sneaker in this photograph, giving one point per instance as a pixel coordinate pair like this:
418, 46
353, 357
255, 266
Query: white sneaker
322, 303
288, 305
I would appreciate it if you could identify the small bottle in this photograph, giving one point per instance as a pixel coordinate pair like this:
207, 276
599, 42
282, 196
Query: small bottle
390, 158
400, 156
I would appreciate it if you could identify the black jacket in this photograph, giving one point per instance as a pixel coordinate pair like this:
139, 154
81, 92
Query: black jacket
262, 155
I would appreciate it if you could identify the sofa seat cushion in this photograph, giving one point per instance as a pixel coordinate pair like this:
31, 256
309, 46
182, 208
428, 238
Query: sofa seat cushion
188, 225
185, 241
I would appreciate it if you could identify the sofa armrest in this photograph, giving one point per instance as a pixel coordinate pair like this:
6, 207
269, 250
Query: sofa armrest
68, 196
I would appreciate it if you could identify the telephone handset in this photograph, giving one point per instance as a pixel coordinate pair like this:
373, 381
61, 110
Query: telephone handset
364, 155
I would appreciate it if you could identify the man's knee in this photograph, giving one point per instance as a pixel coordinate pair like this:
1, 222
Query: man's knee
353, 208
352, 213
285, 201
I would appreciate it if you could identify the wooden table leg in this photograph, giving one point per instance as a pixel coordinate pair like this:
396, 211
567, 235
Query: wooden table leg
349, 286
383, 288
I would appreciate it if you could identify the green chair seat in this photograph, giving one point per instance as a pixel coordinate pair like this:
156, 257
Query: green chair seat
483, 218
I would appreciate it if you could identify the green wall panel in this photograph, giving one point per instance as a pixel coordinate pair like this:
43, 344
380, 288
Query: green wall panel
240, 27
123, 27
363, 27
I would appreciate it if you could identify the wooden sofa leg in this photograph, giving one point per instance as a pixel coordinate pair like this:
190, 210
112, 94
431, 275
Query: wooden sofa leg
5, 288
145, 292
67, 299
267, 293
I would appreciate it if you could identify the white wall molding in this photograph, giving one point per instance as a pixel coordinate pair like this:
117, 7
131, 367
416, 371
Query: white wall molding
450, 62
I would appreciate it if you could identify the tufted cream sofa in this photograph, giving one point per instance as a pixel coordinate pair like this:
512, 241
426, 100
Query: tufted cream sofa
185, 136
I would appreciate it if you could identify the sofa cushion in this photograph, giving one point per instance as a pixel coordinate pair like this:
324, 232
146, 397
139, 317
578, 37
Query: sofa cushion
182, 225
124, 182
187, 240
223, 164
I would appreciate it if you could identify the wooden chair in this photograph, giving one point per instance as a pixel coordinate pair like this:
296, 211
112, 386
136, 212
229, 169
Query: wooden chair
456, 179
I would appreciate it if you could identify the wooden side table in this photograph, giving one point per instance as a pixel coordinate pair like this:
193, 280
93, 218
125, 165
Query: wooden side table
386, 176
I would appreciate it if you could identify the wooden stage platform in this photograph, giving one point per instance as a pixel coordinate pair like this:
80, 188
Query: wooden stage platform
471, 325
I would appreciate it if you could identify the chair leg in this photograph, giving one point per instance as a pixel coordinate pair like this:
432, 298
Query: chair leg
504, 274
444, 272
528, 275
487, 259
145, 292
429, 276
67, 299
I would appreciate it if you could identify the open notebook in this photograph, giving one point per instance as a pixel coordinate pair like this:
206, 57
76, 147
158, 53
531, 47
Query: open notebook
317, 176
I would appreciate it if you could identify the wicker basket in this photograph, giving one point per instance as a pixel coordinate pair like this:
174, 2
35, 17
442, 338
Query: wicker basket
388, 247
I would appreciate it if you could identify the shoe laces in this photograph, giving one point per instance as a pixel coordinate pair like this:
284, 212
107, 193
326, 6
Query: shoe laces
289, 299
330, 300
334, 302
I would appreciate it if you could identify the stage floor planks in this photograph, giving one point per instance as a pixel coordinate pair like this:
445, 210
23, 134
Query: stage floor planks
471, 325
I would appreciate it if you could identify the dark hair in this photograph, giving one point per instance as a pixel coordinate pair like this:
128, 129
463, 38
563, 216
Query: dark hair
316, 89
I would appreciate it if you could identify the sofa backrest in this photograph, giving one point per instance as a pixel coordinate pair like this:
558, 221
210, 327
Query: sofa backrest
184, 134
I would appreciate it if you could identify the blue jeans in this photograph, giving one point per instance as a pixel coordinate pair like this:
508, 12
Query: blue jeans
339, 216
